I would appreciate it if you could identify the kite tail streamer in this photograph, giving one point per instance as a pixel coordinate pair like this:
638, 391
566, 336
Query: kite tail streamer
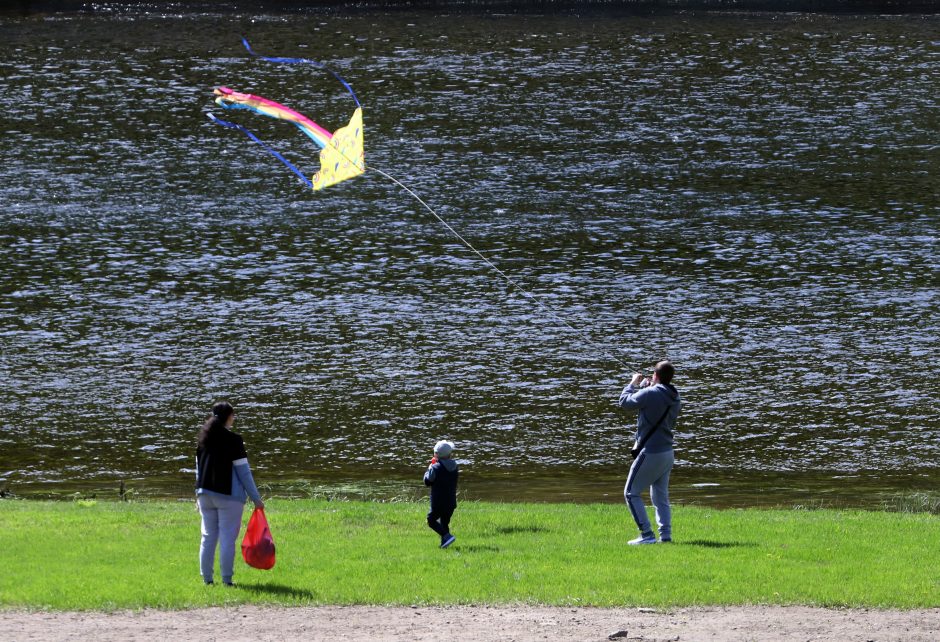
302, 61
270, 150
508, 279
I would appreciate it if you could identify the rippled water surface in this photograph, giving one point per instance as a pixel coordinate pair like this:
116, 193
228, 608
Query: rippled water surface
754, 196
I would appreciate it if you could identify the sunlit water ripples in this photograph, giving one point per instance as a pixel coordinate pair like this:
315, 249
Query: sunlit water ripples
755, 197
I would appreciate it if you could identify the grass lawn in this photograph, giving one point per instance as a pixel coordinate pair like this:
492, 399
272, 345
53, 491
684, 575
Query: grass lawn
102, 555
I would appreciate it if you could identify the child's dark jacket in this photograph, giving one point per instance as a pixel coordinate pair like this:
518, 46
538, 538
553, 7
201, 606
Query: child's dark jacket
441, 476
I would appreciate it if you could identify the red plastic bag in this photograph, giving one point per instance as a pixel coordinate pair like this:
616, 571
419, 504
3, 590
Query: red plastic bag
258, 545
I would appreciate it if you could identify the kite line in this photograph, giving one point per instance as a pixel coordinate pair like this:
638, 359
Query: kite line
496, 269
342, 156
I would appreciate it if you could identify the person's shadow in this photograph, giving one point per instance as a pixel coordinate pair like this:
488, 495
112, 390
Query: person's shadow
708, 543
509, 530
280, 590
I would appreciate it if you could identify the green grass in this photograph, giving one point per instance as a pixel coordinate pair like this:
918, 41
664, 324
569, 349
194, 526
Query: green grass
97, 555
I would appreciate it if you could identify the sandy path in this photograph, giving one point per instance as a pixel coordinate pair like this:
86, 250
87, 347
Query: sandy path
479, 624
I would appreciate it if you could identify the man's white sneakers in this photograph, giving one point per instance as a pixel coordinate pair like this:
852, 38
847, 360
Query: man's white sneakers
642, 540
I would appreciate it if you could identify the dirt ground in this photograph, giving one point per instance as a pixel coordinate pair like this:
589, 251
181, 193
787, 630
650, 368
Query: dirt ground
478, 624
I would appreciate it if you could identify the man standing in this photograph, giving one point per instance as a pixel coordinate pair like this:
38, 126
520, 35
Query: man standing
657, 402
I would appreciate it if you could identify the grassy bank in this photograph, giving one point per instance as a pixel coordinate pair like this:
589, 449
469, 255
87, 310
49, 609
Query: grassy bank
87, 555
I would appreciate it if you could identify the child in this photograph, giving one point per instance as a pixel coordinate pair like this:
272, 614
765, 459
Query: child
441, 476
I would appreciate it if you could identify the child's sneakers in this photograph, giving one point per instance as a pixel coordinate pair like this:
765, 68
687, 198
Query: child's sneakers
448, 540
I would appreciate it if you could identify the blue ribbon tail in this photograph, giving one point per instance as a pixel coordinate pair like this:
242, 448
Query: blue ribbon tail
270, 149
302, 61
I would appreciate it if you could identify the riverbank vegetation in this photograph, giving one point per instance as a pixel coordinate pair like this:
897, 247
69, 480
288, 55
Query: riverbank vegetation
103, 555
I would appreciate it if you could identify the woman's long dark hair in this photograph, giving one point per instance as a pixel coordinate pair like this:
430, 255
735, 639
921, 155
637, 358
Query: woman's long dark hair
216, 423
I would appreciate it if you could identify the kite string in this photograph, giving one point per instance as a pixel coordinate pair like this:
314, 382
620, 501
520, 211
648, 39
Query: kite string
493, 266
489, 263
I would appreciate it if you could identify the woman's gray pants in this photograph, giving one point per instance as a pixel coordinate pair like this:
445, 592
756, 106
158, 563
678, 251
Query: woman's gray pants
650, 470
221, 521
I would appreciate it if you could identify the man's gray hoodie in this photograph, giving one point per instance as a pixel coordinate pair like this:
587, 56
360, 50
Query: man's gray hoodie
651, 403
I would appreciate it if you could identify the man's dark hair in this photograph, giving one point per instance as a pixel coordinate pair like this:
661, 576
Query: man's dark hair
664, 371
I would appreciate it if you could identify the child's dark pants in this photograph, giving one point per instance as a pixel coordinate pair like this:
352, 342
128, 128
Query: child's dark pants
439, 521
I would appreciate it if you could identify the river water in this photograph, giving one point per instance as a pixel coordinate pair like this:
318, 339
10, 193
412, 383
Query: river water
755, 196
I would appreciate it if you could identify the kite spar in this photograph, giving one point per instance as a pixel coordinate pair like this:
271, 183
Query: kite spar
342, 156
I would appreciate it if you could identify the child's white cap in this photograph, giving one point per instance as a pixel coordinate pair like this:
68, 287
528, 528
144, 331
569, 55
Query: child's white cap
443, 448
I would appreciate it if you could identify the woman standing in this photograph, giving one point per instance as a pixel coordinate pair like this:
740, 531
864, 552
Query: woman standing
223, 483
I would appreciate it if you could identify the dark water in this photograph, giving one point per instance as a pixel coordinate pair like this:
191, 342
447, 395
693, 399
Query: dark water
754, 196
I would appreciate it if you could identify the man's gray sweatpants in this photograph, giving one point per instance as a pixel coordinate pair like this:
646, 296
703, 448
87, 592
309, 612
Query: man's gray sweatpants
650, 470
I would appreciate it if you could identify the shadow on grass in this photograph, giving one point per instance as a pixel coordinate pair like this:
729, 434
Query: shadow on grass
477, 548
509, 530
280, 590
707, 543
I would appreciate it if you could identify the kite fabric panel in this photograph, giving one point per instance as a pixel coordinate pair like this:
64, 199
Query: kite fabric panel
342, 153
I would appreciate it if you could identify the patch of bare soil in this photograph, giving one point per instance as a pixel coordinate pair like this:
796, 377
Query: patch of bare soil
476, 623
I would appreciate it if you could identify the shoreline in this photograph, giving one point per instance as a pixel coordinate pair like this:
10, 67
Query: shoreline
590, 485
